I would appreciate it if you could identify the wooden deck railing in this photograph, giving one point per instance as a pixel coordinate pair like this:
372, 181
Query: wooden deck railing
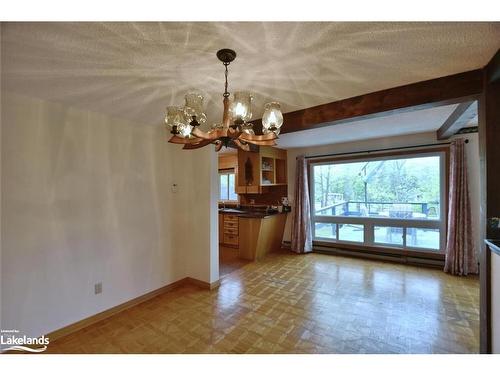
396, 209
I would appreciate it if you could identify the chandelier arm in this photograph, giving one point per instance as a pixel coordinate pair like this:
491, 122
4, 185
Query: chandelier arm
193, 146
204, 135
234, 133
182, 141
265, 137
260, 143
244, 147
218, 146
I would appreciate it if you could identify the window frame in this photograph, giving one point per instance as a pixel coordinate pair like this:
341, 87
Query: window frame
227, 172
370, 223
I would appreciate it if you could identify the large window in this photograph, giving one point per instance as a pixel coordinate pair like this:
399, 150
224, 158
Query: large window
392, 201
227, 191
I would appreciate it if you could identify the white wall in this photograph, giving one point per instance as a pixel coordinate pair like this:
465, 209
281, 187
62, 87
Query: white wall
195, 212
472, 149
87, 198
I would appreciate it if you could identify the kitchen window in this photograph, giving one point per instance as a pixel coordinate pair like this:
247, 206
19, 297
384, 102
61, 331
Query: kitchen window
227, 187
393, 201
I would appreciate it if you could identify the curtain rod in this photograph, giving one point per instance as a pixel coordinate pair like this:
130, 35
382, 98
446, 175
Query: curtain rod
379, 150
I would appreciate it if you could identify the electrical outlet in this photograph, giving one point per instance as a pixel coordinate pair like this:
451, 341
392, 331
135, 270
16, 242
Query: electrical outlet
98, 288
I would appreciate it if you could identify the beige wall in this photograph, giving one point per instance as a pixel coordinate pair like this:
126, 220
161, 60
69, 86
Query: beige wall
87, 198
400, 141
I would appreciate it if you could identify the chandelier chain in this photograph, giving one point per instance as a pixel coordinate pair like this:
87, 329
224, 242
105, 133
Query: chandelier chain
226, 94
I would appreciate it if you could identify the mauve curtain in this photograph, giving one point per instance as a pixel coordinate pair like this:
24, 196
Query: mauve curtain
460, 253
301, 227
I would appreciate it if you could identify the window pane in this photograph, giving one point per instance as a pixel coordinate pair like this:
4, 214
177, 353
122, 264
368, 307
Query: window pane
398, 188
223, 187
325, 230
389, 235
422, 237
351, 232
232, 190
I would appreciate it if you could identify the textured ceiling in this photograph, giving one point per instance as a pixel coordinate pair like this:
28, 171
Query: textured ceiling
419, 121
134, 70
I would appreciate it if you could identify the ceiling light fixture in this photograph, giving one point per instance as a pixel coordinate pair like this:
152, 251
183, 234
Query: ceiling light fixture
184, 122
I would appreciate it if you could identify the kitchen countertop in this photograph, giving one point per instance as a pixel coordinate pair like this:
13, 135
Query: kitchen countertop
494, 245
251, 214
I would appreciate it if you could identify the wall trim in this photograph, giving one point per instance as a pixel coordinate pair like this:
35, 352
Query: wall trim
379, 253
77, 326
203, 284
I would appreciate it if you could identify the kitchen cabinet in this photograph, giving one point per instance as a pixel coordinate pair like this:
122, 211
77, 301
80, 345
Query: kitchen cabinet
221, 228
260, 171
229, 230
254, 233
260, 236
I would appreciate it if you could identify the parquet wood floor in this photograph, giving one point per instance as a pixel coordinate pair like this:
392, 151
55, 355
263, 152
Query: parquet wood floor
290, 303
229, 261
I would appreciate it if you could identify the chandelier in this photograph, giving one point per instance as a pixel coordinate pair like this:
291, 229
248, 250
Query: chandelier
235, 129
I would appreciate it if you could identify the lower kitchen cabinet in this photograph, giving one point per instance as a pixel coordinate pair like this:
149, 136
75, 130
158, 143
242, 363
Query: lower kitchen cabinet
229, 230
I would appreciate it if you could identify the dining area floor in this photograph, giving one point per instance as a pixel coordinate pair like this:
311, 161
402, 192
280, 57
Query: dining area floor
289, 303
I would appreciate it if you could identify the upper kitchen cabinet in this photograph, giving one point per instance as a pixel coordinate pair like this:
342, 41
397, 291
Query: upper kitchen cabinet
260, 171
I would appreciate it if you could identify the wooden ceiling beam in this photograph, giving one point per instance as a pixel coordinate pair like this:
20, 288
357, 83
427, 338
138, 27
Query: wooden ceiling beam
458, 119
456, 88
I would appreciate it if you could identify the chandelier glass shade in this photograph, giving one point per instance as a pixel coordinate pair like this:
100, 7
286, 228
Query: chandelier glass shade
272, 119
194, 107
235, 130
176, 119
241, 108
